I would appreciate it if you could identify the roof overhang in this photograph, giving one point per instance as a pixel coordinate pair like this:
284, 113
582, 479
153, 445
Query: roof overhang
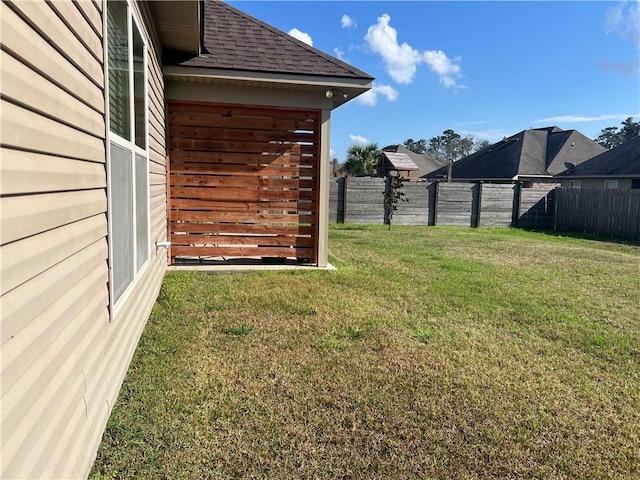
342, 89
177, 24
597, 176
525, 176
443, 177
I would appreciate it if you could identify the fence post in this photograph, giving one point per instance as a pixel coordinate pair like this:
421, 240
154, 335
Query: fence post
433, 203
476, 201
515, 214
344, 199
340, 200
555, 209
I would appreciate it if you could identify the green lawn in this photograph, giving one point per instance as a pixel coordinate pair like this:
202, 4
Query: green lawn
430, 353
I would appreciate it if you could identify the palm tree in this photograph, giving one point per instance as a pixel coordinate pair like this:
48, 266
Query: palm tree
362, 159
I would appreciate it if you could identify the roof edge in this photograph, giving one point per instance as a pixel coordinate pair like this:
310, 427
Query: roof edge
256, 75
329, 58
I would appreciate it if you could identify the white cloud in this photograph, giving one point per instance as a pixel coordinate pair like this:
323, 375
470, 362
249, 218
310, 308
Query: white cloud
339, 53
583, 118
401, 60
302, 36
370, 97
623, 20
443, 66
358, 139
347, 22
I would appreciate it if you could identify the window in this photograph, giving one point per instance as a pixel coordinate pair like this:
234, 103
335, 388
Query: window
128, 189
611, 184
635, 183
575, 183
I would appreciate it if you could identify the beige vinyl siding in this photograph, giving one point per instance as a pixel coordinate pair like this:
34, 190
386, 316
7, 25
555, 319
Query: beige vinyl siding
20, 38
63, 358
24, 172
24, 216
587, 183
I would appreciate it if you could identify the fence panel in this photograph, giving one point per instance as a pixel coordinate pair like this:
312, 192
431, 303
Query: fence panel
613, 213
496, 205
364, 200
455, 204
415, 211
536, 208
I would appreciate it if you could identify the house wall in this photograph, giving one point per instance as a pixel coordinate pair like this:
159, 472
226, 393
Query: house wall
62, 357
623, 183
200, 92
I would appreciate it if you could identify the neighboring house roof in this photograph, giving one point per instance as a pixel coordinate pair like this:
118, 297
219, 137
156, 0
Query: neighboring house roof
400, 161
425, 163
540, 152
235, 40
622, 161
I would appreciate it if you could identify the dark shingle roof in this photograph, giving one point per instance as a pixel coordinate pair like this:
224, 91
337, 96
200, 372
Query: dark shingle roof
234, 40
621, 161
536, 152
425, 163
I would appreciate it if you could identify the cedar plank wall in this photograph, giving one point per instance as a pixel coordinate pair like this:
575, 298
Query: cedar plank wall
62, 360
244, 181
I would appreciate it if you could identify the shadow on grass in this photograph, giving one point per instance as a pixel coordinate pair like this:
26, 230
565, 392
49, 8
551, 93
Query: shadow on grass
584, 236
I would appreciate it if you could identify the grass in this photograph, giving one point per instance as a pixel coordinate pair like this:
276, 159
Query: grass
430, 353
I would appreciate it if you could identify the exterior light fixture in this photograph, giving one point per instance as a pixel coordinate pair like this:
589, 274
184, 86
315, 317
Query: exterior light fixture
331, 93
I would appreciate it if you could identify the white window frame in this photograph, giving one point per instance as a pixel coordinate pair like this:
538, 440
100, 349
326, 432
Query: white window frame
575, 184
129, 145
611, 184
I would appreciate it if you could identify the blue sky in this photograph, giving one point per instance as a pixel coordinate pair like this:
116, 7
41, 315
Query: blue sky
485, 69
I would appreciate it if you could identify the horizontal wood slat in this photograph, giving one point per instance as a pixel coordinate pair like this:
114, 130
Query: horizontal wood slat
231, 111
242, 251
230, 134
242, 206
252, 123
229, 181
250, 170
251, 194
231, 240
289, 158
217, 228
243, 181
222, 145
239, 217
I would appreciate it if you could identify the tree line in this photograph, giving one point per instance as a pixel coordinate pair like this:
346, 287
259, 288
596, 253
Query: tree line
448, 147
451, 147
612, 137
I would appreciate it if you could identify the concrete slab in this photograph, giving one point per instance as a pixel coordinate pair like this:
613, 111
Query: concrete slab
244, 267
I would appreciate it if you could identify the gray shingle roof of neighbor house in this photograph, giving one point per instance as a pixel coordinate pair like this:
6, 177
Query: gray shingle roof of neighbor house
234, 40
540, 152
621, 161
425, 163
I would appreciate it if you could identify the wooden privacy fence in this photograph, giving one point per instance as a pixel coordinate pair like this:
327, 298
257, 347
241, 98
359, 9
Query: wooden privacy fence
614, 213
360, 200
243, 181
